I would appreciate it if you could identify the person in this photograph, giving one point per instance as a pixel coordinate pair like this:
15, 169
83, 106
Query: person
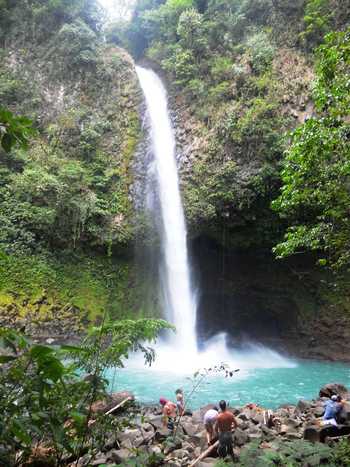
332, 409
169, 413
209, 420
225, 423
180, 403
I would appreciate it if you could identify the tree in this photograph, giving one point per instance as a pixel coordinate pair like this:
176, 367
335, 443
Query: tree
315, 196
45, 398
14, 131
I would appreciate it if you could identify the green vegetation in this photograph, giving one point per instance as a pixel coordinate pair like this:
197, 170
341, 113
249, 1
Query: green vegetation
65, 186
292, 454
315, 196
241, 91
44, 399
14, 130
92, 284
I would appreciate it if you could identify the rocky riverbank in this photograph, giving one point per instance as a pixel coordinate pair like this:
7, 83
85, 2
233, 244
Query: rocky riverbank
292, 433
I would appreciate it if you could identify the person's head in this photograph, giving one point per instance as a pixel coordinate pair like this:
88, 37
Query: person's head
222, 405
334, 397
162, 401
216, 408
178, 391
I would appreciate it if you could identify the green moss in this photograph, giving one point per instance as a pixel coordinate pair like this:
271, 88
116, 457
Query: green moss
91, 283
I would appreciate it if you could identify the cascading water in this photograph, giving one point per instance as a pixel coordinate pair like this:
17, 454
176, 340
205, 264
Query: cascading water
180, 306
180, 354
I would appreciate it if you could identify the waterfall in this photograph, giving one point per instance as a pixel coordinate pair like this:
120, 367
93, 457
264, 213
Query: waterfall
180, 354
179, 301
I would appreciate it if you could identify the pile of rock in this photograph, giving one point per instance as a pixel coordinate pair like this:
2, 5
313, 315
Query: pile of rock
147, 435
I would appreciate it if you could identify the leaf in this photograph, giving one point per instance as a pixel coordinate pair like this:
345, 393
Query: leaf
7, 358
7, 142
20, 433
39, 351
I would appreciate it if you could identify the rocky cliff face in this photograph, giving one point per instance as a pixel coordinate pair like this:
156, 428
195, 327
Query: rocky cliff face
229, 178
66, 205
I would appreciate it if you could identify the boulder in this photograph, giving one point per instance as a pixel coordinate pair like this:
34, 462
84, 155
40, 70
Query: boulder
345, 413
312, 433
119, 455
318, 411
155, 450
99, 460
111, 401
173, 445
130, 436
258, 418
198, 440
240, 437
156, 421
190, 429
188, 446
329, 390
303, 406
180, 453
162, 433
209, 461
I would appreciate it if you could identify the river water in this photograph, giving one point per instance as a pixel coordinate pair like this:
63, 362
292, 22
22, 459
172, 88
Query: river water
268, 387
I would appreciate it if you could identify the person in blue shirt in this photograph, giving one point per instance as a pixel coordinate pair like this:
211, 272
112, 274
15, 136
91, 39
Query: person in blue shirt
332, 408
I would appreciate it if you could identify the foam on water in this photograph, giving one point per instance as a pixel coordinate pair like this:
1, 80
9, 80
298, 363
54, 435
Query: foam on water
177, 360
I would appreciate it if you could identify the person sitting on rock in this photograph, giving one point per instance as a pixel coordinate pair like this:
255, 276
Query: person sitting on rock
209, 420
180, 403
332, 409
169, 413
225, 424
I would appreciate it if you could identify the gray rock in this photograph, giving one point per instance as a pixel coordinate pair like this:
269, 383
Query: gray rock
258, 418
156, 420
126, 444
119, 455
345, 413
155, 450
162, 433
99, 459
198, 440
180, 453
303, 406
254, 436
318, 411
190, 429
172, 446
209, 461
133, 436
333, 388
111, 443
240, 437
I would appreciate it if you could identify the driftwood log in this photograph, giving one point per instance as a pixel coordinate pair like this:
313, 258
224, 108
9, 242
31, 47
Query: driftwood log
205, 454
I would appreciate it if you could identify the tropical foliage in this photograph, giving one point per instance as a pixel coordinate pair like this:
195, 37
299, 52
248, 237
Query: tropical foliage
315, 194
47, 393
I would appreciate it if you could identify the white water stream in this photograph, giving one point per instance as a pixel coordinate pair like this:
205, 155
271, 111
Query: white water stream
180, 305
180, 354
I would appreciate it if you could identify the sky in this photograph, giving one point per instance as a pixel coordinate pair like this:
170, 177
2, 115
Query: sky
118, 9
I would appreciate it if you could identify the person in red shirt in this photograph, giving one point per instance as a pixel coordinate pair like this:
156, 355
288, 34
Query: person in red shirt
169, 413
225, 424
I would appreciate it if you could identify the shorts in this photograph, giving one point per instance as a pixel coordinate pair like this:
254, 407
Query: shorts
225, 447
171, 423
